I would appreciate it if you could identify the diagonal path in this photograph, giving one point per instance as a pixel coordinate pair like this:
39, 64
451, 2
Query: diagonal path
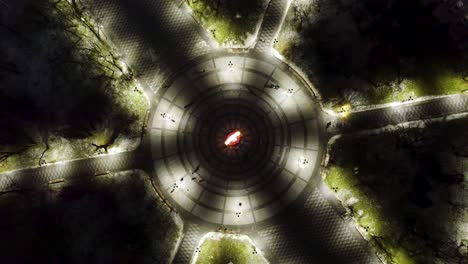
155, 37
315, 233
272, 21
213, 203
192, 235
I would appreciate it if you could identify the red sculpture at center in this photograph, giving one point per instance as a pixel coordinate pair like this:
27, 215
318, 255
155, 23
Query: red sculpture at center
233, 139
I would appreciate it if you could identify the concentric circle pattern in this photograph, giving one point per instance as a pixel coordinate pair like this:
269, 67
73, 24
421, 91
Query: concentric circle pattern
271, 166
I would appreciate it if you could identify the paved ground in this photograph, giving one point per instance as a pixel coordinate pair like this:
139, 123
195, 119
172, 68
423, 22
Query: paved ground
192, 236
155, 37
257, 80
312, 232
284, 208
245, 80
274, 17
68, 171
400, 113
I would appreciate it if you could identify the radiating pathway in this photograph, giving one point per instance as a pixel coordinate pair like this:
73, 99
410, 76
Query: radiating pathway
155, 37
272, 21
277, 200
400, 113
68, 170
314, 233
258, 81
192, 236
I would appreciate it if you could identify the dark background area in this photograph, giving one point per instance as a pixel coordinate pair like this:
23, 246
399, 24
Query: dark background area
52, 82
415, 179
106, 220
368, 45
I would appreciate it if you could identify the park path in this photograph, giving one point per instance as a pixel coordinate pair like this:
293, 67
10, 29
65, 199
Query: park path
313, 232
68, 171
310, 232
402, 113
272, 21
192, 235
321, 225
155, 38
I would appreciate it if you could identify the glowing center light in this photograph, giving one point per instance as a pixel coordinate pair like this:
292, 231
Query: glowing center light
233, 139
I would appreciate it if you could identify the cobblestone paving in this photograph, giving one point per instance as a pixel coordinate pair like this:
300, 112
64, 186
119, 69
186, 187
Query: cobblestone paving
67, 171
404, 113
282, 247
210, 201
239, 84
272, 21
190, 241
315, 233
155, 37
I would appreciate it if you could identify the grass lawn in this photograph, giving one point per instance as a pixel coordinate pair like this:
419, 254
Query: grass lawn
368, 213
372, 51
406, 191
219, 248
105, 220
432, 81
229, 22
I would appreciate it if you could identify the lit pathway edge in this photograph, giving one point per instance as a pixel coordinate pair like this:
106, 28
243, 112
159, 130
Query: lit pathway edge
172, 101
398, 113
272, 22
68, 171
153, 37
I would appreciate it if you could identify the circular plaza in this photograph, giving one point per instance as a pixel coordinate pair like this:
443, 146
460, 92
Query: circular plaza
277, 152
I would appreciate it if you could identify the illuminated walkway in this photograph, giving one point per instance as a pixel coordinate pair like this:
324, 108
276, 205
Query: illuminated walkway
154, 37
275, 195
271, 24
68, 171
397, 113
